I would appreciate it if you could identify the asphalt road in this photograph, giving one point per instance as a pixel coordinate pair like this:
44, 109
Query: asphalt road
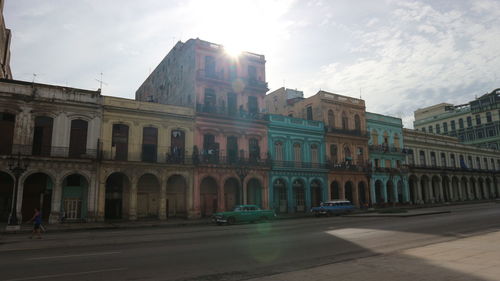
237, 252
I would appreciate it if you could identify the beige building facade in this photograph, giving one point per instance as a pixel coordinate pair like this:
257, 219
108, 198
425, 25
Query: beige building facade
146, 169
441, 169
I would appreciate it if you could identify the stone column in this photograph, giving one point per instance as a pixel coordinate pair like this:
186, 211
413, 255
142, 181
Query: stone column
162, 207
221, 196
56, 203
290, 201
307, 190
384, 191
373, 197
244, 191
101, 199
132, 215
418, 187
195, 187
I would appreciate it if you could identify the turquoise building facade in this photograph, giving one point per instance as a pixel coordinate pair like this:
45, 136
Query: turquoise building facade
388, 174
298, 176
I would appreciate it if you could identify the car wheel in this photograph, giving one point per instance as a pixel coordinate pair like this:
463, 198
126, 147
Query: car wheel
263, 218
231, 220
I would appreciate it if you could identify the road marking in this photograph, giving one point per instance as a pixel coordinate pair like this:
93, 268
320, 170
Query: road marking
67, 274
73, 256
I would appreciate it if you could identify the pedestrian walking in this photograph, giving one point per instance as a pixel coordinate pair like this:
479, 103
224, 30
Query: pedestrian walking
37, 223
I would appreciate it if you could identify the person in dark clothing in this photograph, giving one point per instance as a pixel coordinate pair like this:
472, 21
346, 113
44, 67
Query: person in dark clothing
37, 223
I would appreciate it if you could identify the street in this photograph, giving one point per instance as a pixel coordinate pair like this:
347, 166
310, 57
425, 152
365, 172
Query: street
241, 252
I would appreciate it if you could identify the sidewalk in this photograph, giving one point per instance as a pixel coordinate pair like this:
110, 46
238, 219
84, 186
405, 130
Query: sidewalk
409, 213
467, 259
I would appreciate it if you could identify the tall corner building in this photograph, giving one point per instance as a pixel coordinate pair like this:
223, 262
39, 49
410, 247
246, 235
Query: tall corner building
476, 123
230, 131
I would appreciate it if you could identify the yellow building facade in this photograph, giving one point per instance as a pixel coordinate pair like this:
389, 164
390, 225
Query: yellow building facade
146, 169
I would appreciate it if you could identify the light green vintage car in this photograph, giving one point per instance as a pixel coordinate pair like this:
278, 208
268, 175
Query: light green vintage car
243, 213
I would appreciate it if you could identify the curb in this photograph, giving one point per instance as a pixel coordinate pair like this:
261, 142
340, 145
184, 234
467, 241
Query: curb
402, 215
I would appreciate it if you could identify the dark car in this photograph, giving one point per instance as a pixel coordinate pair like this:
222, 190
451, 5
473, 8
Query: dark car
335, 207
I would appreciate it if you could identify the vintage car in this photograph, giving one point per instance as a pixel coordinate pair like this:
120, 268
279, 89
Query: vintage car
243, 213
335, 207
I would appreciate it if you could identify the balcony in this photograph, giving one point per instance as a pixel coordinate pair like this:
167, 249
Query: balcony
256, 84
357, 133
298, 165
221, 77
392, 171
450, 169
215, 159
54, 152
229, 112
212, 76
387, 149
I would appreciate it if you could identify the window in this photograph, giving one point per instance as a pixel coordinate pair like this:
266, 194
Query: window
377, 163
443, 160
360, 155
430, 129
433, 159
252, 73
388, 163
253, 149
347, 154
333, 153
460, 123
278, 151
445, 127
42, 136
297, 153
309, 113
438, 129
488, 117
78, 138
469, 121
149, 144
120, 142
345, 123
452, 125
478, 163
452, 161
7, 123
411, 158
469, 160
374, 137
386, 139
177, 144
422, 158
314, 154
357, 123
492, 164
478, 119
209, 66
485, 161
423, 129
232, 149
232, 106
253, 106
209, 100
331, 118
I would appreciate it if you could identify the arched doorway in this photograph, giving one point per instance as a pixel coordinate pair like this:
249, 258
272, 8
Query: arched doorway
148, 196
335, 190
316, 194
6, 188
37, 193
399, 191
208, 198
299, 195
349, 195
436, 193
473, 189
424, 183
413, 182
280, 196
482, 192
391, 194
464, 188
446, 189
176, 196
232, 193
254, 192
363, 200
379, 194
117, 194
456, 196
74, 198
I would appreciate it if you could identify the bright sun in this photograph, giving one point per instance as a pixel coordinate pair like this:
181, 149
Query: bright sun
233, 50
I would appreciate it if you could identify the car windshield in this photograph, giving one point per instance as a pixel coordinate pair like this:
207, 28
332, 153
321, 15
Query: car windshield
237, 209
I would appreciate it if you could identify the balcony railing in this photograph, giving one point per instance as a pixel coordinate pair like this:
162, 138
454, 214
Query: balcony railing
229, 112
220, 76
54, 151
400, 170
387, 149
451, 169
357, 133
299, 165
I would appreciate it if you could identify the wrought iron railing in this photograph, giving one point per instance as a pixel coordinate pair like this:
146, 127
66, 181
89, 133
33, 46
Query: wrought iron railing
53, 151
229, 112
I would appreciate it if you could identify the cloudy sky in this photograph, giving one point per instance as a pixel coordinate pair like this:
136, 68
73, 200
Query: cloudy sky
399, 55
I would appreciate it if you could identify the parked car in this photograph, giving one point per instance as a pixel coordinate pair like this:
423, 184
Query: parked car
243, 213
335, 207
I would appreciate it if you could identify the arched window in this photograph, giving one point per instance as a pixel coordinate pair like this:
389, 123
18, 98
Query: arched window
396, 140
386, 139
345, 121
331, 119
253, 149
78, 138
278, 151
7, 122
422, 158
297, 153
119, 142
357, 123
314, 154
334, 153
149, 144
42, 136
374, 137
347, 154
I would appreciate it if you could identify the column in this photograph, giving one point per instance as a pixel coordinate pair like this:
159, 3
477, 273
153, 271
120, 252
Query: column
384, 191
307, 190
290, 197
221, 197
195, 187
132, 215
244, 191
418, 187
101, 199
56, 203
373, 197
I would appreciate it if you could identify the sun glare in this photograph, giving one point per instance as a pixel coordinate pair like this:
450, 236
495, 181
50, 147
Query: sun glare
232, 50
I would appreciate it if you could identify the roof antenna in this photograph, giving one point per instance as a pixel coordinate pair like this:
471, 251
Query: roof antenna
101, 82
360, 94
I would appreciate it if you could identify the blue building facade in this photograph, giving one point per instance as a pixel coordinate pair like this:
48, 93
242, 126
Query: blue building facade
388, 175
298, 176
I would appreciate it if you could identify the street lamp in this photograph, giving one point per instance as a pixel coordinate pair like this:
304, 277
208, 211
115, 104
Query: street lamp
17, 166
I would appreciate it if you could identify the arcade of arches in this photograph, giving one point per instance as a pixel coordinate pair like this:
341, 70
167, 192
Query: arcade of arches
429, 188
296, 194
355, 191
